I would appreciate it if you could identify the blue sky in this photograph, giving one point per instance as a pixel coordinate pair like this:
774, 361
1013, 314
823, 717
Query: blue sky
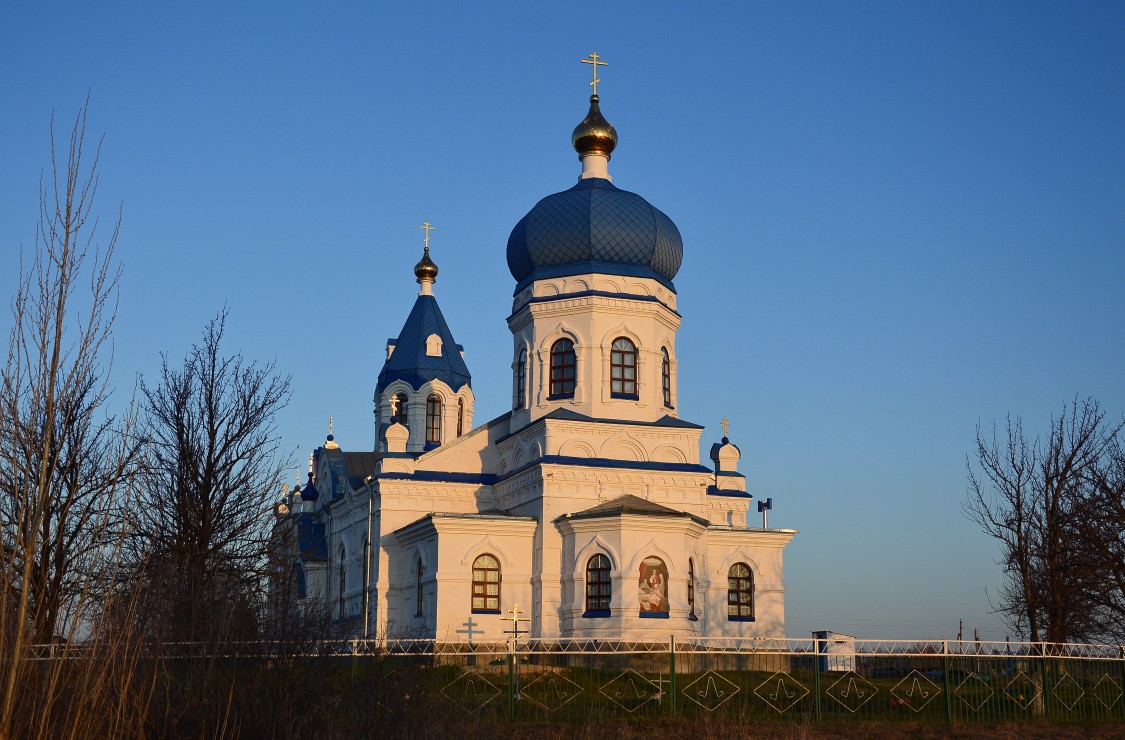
899, 219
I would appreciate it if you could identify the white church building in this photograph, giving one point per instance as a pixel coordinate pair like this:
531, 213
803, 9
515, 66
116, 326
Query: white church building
588, 503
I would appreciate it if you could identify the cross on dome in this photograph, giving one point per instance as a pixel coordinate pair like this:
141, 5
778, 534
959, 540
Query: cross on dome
594, 62
428, 227
426, 271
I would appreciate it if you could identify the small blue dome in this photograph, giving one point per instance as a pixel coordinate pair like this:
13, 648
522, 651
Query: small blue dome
310, 493
594, 227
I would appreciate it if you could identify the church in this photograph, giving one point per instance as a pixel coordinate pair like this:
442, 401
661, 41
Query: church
588, 504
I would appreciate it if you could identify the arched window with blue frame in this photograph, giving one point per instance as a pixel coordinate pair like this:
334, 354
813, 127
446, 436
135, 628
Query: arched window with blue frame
599, 586
563, 367
623, 368
740, 593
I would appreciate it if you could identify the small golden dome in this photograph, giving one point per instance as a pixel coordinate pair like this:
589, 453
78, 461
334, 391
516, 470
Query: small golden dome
426, 269
594, 135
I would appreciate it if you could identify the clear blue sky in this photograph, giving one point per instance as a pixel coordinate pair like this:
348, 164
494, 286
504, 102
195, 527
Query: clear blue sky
899, 219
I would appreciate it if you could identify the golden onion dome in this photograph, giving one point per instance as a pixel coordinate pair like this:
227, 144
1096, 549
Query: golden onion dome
426, 269
594, 135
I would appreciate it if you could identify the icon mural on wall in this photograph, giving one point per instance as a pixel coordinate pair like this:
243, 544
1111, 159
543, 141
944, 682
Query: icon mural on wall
653, 585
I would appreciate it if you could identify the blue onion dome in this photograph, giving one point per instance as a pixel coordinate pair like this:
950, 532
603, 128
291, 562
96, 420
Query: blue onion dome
310, 493
594, 227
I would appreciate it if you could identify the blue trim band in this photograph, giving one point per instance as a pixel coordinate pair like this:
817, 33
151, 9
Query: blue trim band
712, 491
592, 267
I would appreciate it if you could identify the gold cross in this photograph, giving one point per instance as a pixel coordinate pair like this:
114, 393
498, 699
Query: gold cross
725, 423
428, 229
593, 60
514, 615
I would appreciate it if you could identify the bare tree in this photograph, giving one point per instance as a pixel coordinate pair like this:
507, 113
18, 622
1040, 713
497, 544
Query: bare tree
202, 532
62, 456
1103, 543
1037, 498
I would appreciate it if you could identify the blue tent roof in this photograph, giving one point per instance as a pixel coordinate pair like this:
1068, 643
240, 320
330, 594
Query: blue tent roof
409, 361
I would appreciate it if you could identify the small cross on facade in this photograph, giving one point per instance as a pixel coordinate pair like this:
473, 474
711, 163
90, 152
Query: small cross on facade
428, 229
594, 62
469, 631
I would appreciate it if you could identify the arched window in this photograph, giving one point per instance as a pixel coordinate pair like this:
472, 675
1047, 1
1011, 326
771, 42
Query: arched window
666, 376
521, 380
562, 369
398, 409
623, 368
486, 584
691, 587
460, 416
418, 591
343, 584
599, 586
652, 587
740, 593
433, 419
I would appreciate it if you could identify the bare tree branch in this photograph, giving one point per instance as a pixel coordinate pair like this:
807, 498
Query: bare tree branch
62, 456
212, 465
1041, 501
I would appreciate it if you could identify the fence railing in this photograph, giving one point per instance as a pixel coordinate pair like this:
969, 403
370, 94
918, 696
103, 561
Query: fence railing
745, 678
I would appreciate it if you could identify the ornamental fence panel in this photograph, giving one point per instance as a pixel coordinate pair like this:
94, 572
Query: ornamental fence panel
741, 679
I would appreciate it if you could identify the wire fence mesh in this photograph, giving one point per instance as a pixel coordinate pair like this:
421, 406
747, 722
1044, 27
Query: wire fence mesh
584, 680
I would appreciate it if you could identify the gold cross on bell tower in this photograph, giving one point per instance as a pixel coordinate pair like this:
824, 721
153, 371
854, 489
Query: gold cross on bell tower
595, 63
428, 229
725, 423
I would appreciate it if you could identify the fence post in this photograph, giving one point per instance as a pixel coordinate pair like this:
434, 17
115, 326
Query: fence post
1121, 649
1043, 677
672, 675
945, 680
511, 679
816, 675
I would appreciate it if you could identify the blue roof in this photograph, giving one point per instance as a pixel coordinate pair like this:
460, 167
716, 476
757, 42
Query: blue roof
409, 361
594, 227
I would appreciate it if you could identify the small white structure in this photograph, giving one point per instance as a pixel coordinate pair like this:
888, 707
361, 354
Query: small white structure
587, 503
835, 650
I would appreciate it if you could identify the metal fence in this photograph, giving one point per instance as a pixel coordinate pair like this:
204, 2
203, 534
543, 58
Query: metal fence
742, 679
